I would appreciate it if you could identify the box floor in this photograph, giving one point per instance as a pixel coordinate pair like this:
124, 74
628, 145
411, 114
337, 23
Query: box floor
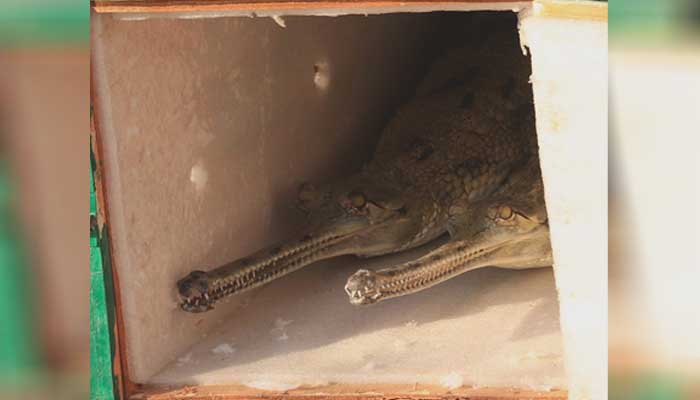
493, 327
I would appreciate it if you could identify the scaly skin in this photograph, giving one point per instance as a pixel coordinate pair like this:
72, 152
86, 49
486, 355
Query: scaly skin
461, 157
508, 229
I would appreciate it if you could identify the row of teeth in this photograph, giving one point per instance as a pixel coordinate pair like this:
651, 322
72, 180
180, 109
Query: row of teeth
409, 283
254, 277
393, 287
199, 300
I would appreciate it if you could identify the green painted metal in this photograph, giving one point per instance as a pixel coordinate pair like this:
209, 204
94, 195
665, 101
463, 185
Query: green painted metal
19, 358
102, 382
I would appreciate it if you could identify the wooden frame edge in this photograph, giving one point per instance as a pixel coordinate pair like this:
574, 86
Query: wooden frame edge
176, 6
580, 10
125, 387
351, 392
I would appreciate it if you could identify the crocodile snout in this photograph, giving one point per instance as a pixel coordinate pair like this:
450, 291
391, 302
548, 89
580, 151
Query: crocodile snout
194, 292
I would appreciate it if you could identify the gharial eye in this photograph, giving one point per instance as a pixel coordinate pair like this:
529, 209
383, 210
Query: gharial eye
505, 213
357, 199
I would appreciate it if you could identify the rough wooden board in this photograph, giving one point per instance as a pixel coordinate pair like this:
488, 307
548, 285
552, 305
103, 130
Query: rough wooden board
579, 10
310, 7
120, 372
349, 392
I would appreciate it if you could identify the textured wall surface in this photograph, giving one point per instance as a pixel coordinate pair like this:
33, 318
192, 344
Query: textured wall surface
210, 125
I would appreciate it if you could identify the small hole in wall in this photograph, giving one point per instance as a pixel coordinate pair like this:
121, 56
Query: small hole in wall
322, 76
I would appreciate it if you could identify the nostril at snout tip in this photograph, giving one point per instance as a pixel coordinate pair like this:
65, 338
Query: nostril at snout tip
183, 288
195, 282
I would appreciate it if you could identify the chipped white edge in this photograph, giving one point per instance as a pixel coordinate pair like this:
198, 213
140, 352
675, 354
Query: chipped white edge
523, 14
586, 375
279, 21
515, 6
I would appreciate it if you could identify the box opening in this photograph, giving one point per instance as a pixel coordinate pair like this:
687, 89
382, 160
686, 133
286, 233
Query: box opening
208, 128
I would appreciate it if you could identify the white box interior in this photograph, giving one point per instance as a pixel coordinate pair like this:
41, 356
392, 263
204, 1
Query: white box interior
208, 126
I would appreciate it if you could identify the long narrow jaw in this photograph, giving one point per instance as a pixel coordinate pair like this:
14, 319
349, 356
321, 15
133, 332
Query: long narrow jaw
366, 287
199, 290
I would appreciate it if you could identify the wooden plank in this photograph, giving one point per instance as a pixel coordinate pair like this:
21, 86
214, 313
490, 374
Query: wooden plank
120, 366
179, 6
349, 392
581, 10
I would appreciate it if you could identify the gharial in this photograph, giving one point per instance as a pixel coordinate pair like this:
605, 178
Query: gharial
459, 158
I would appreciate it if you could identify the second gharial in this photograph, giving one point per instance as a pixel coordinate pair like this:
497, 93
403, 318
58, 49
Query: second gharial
460, 159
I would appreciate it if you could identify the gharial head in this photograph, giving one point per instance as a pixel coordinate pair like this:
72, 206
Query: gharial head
360, 215
376, 217
496, 225
506, 229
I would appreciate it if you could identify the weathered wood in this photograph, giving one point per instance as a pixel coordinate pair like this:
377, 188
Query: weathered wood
180, 6
350, 392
